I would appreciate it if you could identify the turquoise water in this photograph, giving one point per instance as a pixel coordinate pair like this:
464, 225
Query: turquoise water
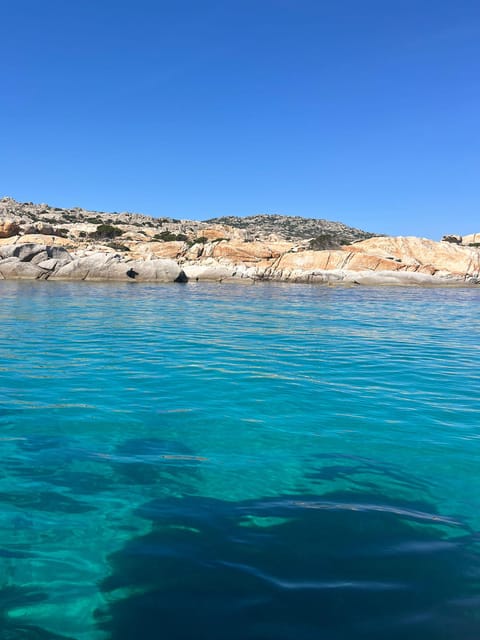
242, 462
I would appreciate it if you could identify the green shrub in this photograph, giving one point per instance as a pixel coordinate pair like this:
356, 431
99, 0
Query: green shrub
326, 241
168, 236
106, 231
118, 246
60, 232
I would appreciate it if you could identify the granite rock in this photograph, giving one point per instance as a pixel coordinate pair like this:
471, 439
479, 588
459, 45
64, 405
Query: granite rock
8, 228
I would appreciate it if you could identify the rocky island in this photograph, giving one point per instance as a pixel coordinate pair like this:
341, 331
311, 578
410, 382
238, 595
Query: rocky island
38, 241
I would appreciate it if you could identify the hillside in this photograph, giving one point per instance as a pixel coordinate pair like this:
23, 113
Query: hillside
77, 223
295, 228
38, 241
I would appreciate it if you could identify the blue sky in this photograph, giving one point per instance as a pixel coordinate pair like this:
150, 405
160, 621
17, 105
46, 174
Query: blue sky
364, 111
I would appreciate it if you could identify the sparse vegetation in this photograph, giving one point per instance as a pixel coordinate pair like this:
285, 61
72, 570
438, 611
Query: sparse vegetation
293, 228
60, 232
262, 227
104, 231
168, 236
327, 241
118, 246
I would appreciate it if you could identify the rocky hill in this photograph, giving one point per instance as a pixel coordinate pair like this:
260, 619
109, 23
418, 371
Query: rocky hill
78, 223
326, 233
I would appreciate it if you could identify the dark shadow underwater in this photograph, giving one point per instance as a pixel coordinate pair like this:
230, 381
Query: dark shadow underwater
336, 566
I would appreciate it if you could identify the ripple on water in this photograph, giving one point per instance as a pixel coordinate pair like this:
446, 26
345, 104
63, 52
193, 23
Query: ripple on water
262, 462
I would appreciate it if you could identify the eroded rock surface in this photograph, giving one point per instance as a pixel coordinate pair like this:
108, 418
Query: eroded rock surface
8, 228
36, 261
373, 261
44, 242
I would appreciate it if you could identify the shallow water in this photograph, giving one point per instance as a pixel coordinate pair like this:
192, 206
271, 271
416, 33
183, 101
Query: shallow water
252, 462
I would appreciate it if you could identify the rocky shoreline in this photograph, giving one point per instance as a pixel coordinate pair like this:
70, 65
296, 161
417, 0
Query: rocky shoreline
379, 261
38, 242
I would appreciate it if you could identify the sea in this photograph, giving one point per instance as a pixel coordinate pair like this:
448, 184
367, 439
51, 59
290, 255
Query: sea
239, 462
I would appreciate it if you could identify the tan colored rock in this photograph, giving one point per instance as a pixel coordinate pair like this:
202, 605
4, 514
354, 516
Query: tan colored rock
334, 259
363, 262
374, 261
210, 270
423, 254
11, 240
170, 250
8, 228
472, 238
40, 238
312, 260
214, 233
134, 236
247, 252
219, 231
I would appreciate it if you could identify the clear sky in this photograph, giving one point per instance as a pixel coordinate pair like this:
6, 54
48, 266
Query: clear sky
363, 111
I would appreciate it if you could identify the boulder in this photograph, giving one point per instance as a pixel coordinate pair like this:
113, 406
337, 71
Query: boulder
151, 271
24, 252
39, 228
6, 251
40, 257
80, 268
101, 266
210, 271
42, 238
34, 253
52, 263
59, 253
15, 269
420, 254
8, 228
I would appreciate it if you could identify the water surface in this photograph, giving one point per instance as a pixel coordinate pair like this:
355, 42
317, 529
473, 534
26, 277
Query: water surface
253, 462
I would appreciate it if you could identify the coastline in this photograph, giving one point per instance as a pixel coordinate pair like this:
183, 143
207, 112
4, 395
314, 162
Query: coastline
40, 242
374, 262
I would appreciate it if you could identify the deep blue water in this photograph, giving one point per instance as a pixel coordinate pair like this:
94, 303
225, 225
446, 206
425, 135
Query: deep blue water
239, 462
